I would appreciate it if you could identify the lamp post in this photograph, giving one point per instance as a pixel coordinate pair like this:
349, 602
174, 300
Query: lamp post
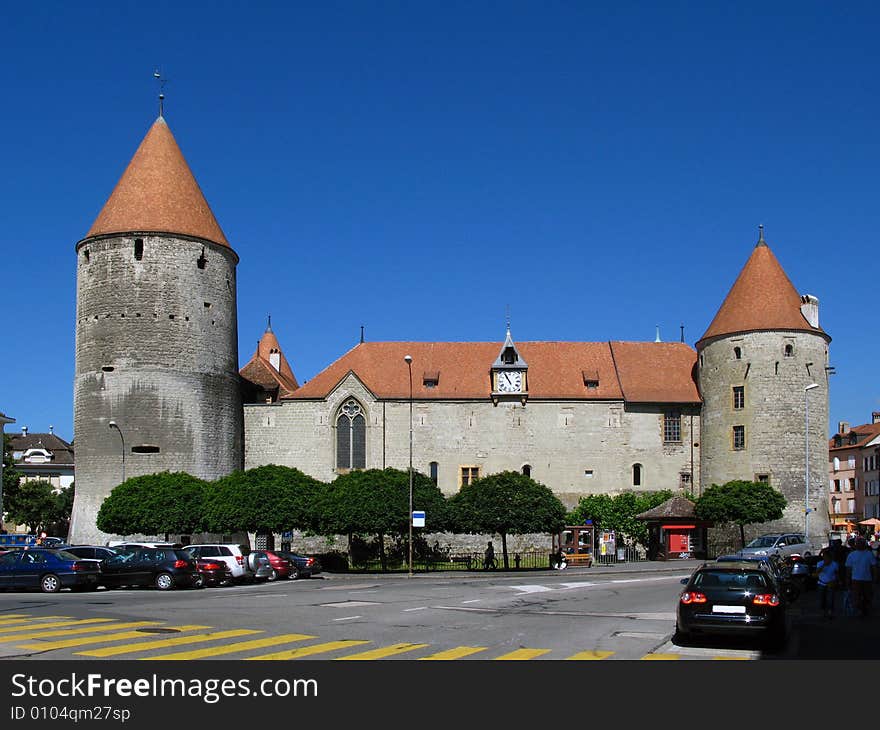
408, 360
3, 421
113, 424
807, 389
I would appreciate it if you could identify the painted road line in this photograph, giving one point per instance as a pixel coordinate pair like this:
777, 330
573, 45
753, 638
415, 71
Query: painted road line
162, 643
523, 654
347, 618
733, 658
591, 654
28, 635
660, 657
456, 653
23, 618
308, 650
104, 638
56, 624
382, 652
420, 608
233, 648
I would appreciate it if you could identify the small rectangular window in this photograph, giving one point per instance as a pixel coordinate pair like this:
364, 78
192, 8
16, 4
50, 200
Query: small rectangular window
739, 437
762, 478
739, 397
138, 248
468, 474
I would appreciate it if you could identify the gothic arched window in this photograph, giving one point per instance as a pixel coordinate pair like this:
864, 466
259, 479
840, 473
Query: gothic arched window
637, 475
351, 436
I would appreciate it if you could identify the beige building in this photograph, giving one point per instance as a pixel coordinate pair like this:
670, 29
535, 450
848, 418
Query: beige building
854, 474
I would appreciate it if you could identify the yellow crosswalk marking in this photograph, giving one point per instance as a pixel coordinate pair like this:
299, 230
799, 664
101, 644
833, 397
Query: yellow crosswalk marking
732, 658
104, 638
233, 648
22, 618
56, 624
457, 653
27, 635
308, 650
591, 654
524, 654
384, 651
660, 657
162, 643
16, 615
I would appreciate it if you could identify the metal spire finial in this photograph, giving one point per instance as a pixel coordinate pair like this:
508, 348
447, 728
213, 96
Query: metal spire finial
158, 76
269, 323
761, 235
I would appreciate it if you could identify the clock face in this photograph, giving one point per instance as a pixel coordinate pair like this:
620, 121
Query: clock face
510, 381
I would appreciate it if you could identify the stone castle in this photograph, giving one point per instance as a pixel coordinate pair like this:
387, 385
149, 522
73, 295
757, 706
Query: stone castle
158, 387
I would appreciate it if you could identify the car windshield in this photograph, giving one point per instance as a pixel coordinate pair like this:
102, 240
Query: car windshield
765, 541
731, 580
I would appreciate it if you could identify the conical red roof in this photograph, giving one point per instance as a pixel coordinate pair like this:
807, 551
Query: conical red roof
762, 298
260, 370
157, 192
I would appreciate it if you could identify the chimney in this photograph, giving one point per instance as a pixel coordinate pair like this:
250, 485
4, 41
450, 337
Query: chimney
810, 309
875, 417
275, 360
24, 430
51, 429
842, 427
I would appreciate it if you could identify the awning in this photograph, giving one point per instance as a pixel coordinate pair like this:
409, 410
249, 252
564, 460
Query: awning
678, 527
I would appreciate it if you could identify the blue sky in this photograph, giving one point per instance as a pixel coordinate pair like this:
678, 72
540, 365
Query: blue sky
418, 168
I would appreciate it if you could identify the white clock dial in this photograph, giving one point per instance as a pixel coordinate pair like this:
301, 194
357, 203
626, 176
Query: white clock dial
510, 382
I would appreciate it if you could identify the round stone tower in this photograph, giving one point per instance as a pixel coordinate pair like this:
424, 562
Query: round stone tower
755, 366
156, 385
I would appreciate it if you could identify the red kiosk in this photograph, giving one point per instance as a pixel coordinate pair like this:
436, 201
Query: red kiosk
674, 532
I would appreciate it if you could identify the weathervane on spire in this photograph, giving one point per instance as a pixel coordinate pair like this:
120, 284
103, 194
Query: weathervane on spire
158, 76
508, 318
269, 323
761, 234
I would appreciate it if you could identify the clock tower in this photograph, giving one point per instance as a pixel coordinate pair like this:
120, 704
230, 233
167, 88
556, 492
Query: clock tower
509, 374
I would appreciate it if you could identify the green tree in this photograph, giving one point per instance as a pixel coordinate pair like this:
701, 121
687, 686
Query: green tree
11, 476
268, 498
741, 503
376, 502
31, 503
619, 512
60, 516
154, 504
506, 503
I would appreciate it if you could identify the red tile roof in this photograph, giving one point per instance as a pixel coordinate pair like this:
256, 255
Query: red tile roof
864, 434
259, 368
762, 298
158, 193
637, 371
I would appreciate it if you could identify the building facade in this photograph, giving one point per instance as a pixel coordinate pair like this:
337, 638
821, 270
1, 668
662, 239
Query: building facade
854, 474
157, 386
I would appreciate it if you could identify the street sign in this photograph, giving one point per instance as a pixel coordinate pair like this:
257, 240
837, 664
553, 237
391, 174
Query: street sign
418, 519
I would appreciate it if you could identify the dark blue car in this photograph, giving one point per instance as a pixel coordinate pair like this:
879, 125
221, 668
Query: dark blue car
47, 570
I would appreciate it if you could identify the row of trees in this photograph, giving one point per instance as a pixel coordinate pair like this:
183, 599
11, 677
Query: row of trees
364, 502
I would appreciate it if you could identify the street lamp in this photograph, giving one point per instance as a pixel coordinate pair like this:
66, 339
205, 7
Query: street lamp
807, 459
113, 424
408, 360
3, 421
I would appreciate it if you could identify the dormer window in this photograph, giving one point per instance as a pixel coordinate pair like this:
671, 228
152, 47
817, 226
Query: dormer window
37, 456
591, 379
431, 379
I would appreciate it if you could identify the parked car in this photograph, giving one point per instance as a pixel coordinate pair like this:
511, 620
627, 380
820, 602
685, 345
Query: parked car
281, 566
235, 556
92, 552
781, 568
305, 566
737, 597
47, 570
164, 568
123, 544
213, 572
784, 544
259, 565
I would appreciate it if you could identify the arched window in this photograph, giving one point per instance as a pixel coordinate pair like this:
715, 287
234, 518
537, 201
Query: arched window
527, 470
737, 353
351, 436
789, 350
637, 475
435, 471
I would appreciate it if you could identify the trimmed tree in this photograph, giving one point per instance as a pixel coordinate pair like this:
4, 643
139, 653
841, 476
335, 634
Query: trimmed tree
376, 502
11, 477
154, 504
268, 498
31, 503
506, 503
741, 503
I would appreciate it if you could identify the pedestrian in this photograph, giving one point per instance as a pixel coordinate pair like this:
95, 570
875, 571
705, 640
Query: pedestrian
861, 568
489, 560
828, 578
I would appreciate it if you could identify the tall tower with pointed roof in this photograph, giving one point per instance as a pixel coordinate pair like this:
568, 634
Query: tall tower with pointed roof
156, 334
755, 361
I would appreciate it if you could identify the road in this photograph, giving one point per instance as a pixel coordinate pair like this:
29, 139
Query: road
540, 616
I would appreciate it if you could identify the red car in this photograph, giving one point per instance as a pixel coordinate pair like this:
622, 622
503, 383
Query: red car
281, 566
213, 572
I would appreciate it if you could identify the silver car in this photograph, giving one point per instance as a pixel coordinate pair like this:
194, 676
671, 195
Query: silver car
779, 543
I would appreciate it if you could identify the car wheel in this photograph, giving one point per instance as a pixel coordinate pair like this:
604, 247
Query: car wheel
294, 573
200, 582
50, 583
164, 582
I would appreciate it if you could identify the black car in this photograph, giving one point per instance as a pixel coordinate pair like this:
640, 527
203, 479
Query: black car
164, 568
305, 566
92, 552
781, 568
47, 570
728, 598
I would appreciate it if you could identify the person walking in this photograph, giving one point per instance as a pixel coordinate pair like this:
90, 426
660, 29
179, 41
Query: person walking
828, 577
861, 567
489, 559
